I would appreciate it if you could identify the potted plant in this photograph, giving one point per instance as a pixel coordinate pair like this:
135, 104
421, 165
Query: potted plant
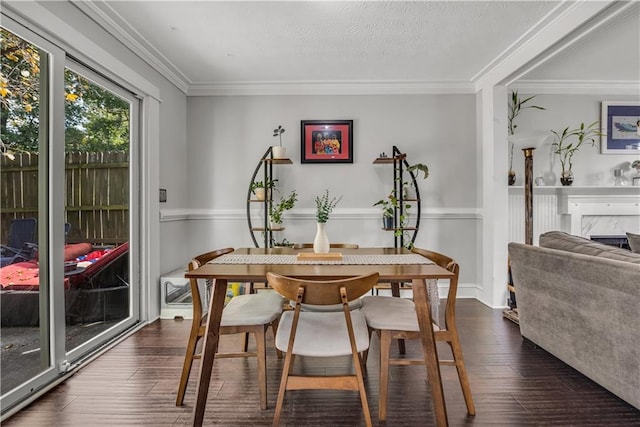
259, 188
420, 167
565, 149
324, 207
278, 151
389, 206
416, 167
284, 243
277, 209
636, 178
516, 105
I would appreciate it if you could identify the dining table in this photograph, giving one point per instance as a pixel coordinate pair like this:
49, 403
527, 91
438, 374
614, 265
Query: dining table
252, 264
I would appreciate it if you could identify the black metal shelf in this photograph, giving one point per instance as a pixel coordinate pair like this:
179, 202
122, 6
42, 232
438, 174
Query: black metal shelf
266, 166
400, 168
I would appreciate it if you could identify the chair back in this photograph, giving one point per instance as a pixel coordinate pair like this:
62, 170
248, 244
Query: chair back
200, 288
322, 292
21, 231
331, 245
451, 265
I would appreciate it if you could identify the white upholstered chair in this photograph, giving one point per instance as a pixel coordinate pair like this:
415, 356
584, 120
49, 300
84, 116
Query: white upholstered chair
251, 313
395, 318
322, 334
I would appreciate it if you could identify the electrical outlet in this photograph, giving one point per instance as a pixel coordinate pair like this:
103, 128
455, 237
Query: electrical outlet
163, 195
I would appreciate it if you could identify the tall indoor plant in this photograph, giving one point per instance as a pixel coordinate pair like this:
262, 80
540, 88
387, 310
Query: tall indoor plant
324, 207
566, 149
516, 105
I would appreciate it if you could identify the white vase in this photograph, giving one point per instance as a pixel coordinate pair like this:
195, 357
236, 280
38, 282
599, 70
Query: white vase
321, 241
259, 192
279, 152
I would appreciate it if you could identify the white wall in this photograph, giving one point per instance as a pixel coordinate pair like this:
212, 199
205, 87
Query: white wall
228, 135
590, 168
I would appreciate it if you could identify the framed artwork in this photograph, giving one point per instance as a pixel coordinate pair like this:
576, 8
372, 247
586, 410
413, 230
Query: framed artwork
326, 141
620, 127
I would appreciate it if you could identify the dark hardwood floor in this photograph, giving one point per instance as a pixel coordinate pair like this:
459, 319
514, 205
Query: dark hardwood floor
514, 383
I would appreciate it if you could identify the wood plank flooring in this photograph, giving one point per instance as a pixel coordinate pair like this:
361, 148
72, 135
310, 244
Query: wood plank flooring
514, 383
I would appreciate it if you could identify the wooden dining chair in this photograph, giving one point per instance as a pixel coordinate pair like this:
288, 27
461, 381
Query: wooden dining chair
251, 313
322, 334
396, 318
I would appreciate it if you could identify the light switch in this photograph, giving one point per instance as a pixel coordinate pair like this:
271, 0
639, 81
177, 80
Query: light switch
163, 195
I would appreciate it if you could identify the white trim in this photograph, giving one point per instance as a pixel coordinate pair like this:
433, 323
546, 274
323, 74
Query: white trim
168, 215
578, 87
528, 35
106, 17
69, 38
330, 88
558, 33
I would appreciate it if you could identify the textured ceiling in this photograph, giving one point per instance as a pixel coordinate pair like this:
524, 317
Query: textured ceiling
213, 42
200, 43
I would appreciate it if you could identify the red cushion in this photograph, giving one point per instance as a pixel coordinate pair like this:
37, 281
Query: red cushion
72, 252
19, 275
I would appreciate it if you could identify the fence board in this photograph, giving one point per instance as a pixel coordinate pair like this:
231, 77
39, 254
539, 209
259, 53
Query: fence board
96, 199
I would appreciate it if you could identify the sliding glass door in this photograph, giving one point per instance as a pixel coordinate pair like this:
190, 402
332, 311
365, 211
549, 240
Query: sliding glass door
68, 210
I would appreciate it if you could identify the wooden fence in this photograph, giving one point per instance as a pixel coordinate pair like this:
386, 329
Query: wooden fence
96, 194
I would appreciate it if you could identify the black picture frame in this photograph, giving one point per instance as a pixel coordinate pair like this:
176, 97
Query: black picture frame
326, 141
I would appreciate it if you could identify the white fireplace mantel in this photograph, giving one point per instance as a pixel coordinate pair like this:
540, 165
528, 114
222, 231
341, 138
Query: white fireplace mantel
582, 211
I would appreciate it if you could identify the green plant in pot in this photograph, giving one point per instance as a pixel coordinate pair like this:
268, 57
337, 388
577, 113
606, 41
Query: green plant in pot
259, 188
389, 207
277, 209
278, 151
516, 105
415, 168
324, 206
565, 149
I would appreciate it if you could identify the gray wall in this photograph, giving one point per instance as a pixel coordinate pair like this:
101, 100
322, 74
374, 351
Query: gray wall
227, 135
590, 168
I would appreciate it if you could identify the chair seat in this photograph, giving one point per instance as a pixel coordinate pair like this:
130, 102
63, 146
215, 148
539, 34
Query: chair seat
391, 313
252, 309
322, 334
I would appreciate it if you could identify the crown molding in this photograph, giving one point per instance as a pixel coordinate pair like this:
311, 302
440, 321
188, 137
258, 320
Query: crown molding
579, 87
559, 29
103, 15
331, 88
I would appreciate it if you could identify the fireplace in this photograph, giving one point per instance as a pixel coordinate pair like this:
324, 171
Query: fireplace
619, 241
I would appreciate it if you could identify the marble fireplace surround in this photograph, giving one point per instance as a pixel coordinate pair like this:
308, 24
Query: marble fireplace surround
582, 211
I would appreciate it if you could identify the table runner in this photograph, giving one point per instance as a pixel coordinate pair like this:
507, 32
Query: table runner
392, 259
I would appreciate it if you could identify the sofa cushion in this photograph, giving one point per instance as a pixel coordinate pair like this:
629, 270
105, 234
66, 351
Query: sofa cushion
576, 244
634, 242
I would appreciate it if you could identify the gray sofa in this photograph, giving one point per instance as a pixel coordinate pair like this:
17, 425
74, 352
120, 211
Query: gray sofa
580, 301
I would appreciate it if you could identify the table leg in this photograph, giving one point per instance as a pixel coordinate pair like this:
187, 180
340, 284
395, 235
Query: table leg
209, 347
429, 349
395, 292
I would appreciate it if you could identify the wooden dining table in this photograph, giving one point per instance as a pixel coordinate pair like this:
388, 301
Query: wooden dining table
252, 265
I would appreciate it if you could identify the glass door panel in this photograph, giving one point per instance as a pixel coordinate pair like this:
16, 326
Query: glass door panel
98, 134
24, 338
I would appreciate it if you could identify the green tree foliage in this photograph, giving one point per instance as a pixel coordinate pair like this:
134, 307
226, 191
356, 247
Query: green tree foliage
95, 119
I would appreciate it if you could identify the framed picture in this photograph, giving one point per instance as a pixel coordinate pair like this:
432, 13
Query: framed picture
326, 141
620, 127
